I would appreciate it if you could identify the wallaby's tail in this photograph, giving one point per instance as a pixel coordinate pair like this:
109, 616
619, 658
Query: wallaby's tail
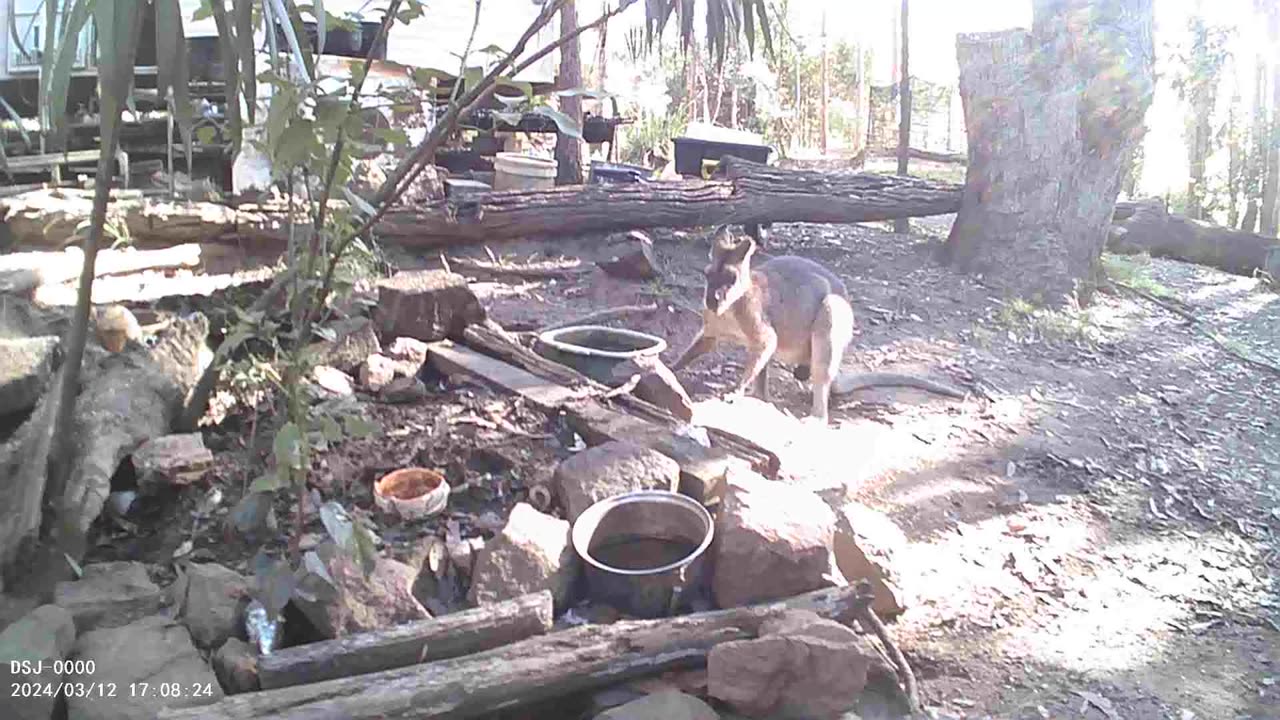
847, 383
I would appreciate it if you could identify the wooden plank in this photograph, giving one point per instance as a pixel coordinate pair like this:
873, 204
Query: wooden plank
457, 360
442, 638
540, 668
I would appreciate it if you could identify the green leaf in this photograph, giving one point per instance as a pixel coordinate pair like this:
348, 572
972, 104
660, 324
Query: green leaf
172, 71
491, 50
57, 63
295, 146
330, 428
366, 550
268, 483
118, 26
204, 12
289, 449
206, 135
392, 136
231, 73
424, 77
359, 428
286, 13
563, 122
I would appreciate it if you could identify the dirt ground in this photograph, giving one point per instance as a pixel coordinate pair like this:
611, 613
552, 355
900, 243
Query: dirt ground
1092, 531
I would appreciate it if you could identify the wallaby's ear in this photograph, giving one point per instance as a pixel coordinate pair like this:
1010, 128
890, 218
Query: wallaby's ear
740, 252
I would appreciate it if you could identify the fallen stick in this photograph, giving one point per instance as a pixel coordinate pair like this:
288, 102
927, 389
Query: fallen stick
441, 638
862, 611
533, 271
603, 315
540, 668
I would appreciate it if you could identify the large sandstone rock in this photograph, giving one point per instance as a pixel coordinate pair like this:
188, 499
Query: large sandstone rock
44, 635
426, 305
109, 595
610, 469
383, 600
377, 372
179, 459
356, 340
657, 385
773, 541
25, 367
662, 706
211, 600
868, 545
532, 553
236, 666
154, 651
802, 666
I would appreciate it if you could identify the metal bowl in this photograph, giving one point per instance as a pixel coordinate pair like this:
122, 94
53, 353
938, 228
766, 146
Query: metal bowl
595, 350
669, 534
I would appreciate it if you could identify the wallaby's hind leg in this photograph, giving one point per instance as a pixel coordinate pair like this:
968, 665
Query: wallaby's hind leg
762, 384
701, 345
832, 333
758, 358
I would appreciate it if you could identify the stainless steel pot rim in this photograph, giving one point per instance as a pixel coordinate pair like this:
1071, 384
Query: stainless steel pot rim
552, 338
590, 518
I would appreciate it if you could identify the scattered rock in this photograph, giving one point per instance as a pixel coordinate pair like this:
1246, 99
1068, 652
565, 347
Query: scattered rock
426, 305
115, 326
377, 372
44, 635
154, 650
403, 390
532, 553
867, 545
171, 460
333, 380
211, 600
610, 469
802, 666
657, 385
772, 541
669, 705
25, 367
637, 264
236, 666
408, 350
356, 340
383, 600
109, 595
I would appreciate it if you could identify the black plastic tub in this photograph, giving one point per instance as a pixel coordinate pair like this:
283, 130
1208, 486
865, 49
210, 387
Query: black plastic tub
603, 173
690, 153
353, 43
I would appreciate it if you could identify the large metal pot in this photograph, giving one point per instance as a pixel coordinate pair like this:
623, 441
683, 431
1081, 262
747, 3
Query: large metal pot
643, 550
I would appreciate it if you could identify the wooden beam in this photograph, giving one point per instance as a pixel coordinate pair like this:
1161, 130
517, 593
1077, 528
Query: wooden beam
442, 638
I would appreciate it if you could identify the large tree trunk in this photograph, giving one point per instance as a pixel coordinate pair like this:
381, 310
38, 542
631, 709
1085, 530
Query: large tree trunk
1152, 230
753, 193
903, 226
1050, 114
536, 669
569, 149
1271, 186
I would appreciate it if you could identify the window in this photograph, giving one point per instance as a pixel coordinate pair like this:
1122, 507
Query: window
26, 36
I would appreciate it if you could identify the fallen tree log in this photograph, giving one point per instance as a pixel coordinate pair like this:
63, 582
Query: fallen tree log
539, 668
125, 398
748, 193
442, 638
23, 272
1151, 229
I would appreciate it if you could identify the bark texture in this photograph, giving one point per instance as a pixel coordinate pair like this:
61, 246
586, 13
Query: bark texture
569, 149
1050, 115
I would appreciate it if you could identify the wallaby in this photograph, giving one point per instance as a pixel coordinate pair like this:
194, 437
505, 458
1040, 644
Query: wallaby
788, 308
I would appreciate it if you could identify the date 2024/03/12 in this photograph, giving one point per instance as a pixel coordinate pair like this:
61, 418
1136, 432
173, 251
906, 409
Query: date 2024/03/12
94, 689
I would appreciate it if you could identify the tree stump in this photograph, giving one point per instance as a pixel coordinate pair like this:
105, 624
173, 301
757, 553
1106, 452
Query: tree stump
1051, 115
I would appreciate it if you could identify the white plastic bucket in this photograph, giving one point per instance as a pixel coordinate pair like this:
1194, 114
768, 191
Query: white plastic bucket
514, 171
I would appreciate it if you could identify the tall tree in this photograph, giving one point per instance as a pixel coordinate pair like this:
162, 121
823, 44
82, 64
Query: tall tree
903, 226
1271, 183
826, 87
1051, 114
1197, 81
569, 148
